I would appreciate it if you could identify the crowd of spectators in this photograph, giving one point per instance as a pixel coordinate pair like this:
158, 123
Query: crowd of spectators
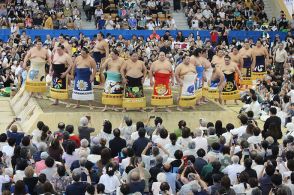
67, 14
223, 15
138, 158
215, 158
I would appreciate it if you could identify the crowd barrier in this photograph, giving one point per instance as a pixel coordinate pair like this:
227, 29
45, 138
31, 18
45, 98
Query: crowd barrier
204, 34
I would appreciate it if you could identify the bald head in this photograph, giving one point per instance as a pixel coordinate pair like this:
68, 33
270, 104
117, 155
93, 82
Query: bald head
135, 176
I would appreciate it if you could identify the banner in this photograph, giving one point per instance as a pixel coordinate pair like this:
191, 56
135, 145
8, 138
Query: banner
127, 34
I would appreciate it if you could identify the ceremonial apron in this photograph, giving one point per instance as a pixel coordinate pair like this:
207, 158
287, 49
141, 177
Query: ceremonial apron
113, 90
35, 80
259, 69
83, 89
199, 82
59, 88
98, 56
246, 72
187, 91
213, 91
230, 91
134, 94
162, 91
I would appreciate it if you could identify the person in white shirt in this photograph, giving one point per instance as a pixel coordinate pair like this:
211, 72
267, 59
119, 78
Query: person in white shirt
37, 132
242, 187
207, 12
9, 149
135, 135
109, 24
254, 106
171, 23
280, 58
233, 169
195, 23
241, 130
173, 146
258, 166
150, 25
185, 138
163, 138
200, 141
256, 138
191, 150
228, 135
109, 179
291, 93
149, 161
106, 132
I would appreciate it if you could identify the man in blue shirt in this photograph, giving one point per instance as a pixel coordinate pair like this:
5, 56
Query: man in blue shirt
12, 133
265, 182
77, 187
140, 143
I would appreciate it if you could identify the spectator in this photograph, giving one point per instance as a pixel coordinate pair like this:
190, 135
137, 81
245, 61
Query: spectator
117, 143
84, 130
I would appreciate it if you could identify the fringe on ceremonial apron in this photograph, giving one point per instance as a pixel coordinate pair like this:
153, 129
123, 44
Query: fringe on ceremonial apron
59, 88
246, 72
113, 90
230, 91
36, 81
259, 69
162, 91
187, 91
83, 89
134, 93
213, 91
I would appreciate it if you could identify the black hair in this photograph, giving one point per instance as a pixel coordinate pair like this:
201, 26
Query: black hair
157, 120
229, 126
129, 122
115, 51
186, 132
107, 127
110, 169
178, 154
250, 114
139, 125
141, 132
61, 171
69, 129
273, 110
116, 132
90, 189
247, 163
85, 49
40, 124
182, 124
21, 164
26, 140
11, 141
49, 162
277, 179
163, 133
42, 178
70, 147
201, 152
244, 119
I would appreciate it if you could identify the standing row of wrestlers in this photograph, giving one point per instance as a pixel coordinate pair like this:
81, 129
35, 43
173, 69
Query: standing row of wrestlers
197, 77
